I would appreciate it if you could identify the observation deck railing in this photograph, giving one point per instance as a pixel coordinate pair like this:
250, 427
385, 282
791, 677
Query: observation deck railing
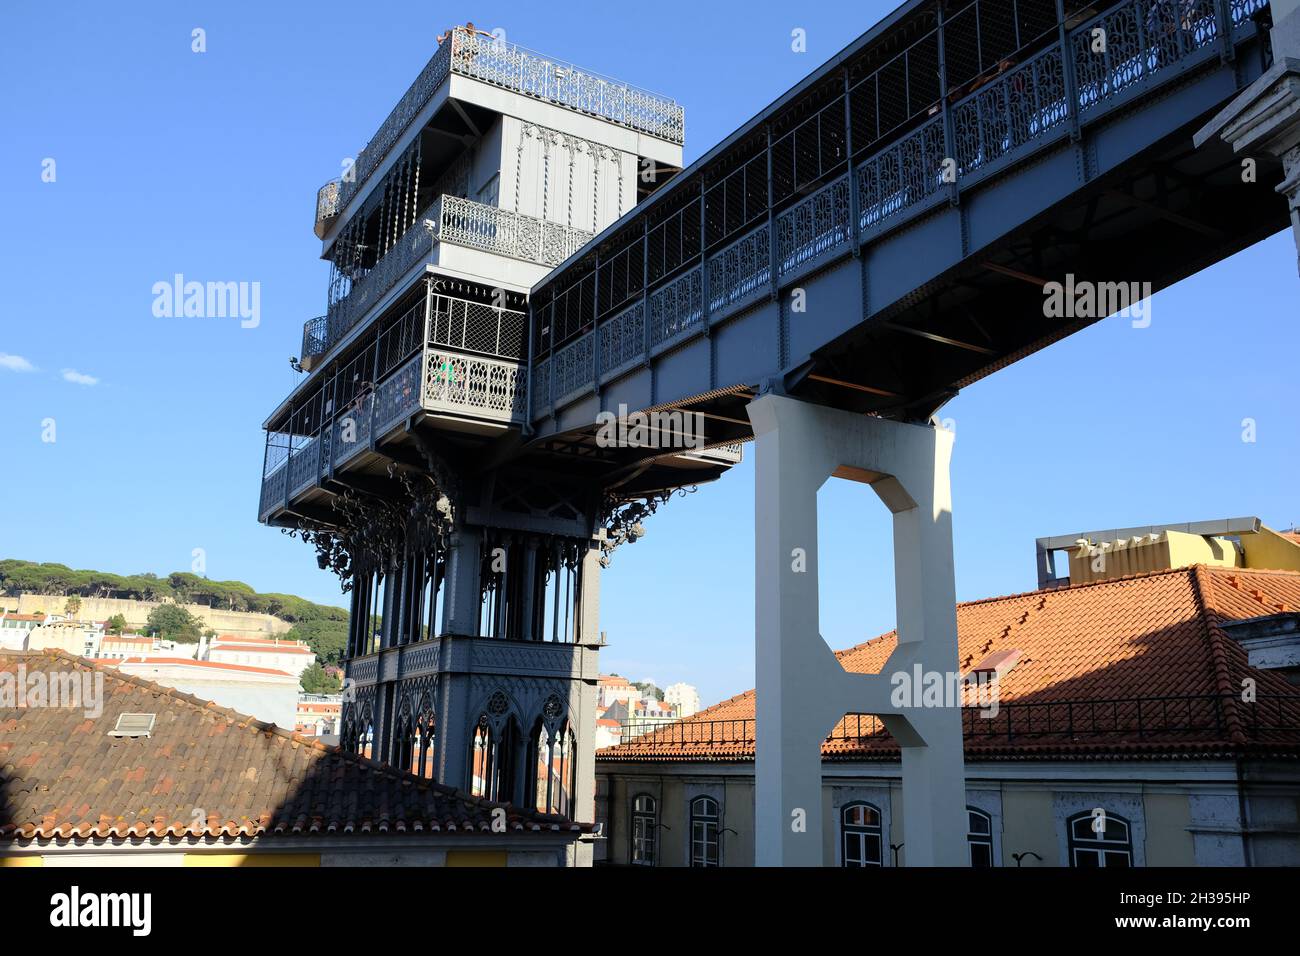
512, 67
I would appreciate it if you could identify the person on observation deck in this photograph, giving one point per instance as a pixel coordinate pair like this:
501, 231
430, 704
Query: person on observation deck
468, 28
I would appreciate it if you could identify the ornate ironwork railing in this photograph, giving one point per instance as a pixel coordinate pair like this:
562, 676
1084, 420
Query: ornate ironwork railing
1117, 719
739, 271
327, 206
622, 338
515, 68
492, 229
484, 387
1015, 109
414, 245
315, 335
676, 307
459, 222
571, 368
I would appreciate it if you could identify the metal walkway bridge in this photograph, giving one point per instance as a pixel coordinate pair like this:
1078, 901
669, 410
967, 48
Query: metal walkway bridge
881, 236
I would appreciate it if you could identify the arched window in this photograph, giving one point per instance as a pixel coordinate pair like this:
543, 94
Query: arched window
645, 826
704, 831
979, 837
422, 756
555, 768
403, 741
860, 835
1102, 839
492, 761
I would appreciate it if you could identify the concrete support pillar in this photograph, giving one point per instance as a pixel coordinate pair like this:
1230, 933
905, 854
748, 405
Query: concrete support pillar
802, 689
1264, 120
462, 599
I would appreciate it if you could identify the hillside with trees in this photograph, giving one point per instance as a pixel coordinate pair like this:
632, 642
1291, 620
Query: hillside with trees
322, 627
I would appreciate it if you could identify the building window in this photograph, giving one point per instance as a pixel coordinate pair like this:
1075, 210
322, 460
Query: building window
704, 832
979, 837
645, 824
1111, 846
860, 835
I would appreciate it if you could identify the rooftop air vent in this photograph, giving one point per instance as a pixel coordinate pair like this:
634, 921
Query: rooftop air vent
133, 725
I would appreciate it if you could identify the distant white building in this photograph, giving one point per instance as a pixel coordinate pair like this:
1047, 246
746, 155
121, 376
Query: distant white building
685, 697
293, 657
610, 689
262, 692
81, 638
15, 627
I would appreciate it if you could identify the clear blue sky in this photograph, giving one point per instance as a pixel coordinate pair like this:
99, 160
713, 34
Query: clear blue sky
207, 164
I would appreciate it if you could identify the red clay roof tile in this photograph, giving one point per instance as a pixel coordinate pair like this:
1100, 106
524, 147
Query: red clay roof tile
1123, 667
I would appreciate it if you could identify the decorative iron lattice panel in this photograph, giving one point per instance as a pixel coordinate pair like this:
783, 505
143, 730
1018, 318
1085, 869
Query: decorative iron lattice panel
740, 270
901, 176
676, 307
571, 368
273, 486
622, 338
327, 201
399, 396
302, 467
1142, 38
814, 226
491, 388
315, 336
515, 68
1002, 116
507, 233
353, 429
1242, 10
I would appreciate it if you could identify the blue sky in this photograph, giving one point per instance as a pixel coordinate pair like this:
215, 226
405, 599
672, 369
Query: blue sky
207, 164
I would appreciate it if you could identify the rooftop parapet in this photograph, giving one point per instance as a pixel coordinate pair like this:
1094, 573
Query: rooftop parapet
512, 67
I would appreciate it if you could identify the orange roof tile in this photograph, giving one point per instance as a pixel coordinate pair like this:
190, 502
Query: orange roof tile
66, 778
1087, 654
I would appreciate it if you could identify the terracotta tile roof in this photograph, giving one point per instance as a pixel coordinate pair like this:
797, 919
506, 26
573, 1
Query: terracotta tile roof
190, 662
62, 776
1088, 653
263, 647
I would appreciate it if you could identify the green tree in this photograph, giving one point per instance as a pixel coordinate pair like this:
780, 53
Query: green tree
117, 624
327, 639
172, 622
72, 607
316, 681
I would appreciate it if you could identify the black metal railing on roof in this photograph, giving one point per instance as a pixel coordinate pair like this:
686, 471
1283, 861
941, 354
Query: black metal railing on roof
1113, 719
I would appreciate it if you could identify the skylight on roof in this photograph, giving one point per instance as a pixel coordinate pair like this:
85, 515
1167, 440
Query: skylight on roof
133, 725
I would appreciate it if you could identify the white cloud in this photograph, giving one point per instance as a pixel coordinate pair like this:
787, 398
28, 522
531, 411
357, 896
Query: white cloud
15, 363
77, 378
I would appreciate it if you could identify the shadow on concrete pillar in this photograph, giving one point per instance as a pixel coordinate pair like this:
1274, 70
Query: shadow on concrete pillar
802, 691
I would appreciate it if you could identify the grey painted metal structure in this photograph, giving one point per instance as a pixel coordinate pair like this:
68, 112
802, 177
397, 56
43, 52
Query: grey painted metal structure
878, 238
